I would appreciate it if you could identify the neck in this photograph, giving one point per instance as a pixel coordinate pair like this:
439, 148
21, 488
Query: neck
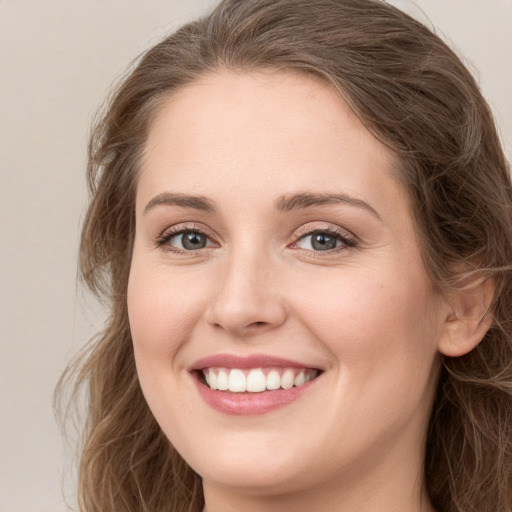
220, 502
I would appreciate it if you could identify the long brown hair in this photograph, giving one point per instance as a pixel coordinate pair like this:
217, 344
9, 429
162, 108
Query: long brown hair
414, 94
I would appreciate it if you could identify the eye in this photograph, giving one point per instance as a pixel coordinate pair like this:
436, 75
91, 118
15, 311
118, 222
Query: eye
324, 240
191, 240
186, 240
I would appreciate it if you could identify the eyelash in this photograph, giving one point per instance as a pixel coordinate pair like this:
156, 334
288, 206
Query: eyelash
347, 241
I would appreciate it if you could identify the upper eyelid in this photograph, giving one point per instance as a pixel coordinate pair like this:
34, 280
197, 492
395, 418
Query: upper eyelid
326, 228
177, 229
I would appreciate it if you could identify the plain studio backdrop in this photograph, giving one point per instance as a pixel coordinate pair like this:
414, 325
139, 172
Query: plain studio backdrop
58, 59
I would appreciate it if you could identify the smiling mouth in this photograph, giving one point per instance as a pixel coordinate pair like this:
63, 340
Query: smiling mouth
256, 380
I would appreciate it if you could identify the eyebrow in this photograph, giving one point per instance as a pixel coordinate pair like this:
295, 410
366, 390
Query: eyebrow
308, 199
282, 204
184, 200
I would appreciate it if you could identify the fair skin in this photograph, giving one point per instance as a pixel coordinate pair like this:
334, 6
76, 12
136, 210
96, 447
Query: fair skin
335, 285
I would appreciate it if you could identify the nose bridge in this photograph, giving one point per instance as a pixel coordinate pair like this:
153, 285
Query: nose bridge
247, 298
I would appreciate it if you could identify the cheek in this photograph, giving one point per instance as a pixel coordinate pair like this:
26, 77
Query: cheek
161, 311
372, 319
378, 332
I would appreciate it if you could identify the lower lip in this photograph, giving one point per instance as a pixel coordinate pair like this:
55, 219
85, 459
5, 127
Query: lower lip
246, 404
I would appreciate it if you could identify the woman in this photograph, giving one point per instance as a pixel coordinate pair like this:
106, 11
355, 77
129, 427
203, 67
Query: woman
301, 215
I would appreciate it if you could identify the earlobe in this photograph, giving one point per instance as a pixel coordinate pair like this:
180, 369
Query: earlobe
468, 319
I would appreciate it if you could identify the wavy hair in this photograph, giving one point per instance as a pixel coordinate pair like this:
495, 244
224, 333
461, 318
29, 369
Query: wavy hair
414, 94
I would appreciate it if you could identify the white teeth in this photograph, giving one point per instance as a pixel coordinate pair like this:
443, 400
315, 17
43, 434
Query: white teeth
273, 380
237, 382
255, 380
211, 379
222, 380
299, 379
288, 379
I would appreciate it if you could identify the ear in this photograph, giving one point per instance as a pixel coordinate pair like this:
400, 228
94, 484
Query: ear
469, 317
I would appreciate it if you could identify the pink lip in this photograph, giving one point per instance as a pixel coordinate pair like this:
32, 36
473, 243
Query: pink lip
246, 404
252, 361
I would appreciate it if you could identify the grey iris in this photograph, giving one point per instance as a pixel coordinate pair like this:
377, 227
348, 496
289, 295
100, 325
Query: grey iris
322, 241
193, 240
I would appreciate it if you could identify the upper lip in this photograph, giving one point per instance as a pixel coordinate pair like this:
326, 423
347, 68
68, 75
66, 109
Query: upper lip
246, 362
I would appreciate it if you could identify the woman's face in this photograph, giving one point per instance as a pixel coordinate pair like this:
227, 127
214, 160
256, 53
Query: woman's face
274, 248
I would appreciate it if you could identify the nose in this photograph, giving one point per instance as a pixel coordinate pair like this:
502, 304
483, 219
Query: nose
248, 299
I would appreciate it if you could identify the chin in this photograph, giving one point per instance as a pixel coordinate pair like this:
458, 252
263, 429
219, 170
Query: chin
253, 462
255, 477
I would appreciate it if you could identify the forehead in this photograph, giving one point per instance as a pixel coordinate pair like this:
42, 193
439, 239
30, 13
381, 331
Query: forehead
269, 130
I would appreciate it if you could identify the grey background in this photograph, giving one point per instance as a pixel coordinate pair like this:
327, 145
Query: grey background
57, 61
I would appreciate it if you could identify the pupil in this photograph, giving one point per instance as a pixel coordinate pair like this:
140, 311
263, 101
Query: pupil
323, 242
193, 240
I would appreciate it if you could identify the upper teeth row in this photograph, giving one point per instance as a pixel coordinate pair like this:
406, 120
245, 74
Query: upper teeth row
256, 380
